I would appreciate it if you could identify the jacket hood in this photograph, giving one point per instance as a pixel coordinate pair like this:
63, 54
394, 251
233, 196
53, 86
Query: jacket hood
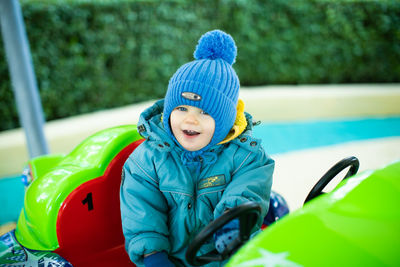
151, 128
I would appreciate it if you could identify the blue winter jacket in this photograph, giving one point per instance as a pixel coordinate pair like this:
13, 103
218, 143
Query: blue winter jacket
165, 203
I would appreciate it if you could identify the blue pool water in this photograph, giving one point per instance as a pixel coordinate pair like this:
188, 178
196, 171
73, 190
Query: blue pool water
285, 137
277, 138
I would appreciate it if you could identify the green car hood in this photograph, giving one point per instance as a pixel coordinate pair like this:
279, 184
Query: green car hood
357, 224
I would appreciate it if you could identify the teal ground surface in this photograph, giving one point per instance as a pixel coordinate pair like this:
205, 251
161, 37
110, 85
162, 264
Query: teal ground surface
11, 198
277, 138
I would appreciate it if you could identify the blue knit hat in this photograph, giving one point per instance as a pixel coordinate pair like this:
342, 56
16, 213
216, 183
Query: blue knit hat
209, 83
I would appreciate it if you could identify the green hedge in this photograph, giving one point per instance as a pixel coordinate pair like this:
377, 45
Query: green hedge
92, 55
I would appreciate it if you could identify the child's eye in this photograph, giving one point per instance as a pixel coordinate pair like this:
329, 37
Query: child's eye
204, 113
181, 108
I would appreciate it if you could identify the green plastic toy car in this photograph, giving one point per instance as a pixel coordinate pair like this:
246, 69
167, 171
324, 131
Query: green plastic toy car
357, 224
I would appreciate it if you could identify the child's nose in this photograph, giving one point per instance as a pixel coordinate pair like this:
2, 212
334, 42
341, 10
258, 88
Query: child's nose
191, 118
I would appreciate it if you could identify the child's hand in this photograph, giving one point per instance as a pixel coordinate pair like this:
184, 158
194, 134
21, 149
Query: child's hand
158, 259
226, 235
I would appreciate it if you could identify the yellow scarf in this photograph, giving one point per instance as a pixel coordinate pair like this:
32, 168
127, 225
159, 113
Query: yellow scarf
240, 124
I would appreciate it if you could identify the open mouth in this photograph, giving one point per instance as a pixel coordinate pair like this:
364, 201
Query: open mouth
190, 132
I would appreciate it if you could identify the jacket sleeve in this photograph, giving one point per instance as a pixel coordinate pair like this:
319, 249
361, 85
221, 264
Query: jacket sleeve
144, 211
251, 181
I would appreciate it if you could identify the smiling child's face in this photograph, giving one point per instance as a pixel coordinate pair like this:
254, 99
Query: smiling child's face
192, 127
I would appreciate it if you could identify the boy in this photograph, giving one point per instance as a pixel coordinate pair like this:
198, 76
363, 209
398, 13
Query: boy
199, 159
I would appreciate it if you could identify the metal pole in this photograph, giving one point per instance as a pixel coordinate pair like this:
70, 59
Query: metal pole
22, 76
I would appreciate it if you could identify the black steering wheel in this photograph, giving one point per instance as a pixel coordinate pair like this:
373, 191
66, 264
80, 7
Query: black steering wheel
331, 173
248, 214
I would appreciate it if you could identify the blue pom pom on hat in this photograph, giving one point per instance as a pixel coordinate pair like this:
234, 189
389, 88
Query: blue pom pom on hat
209, 83
216, 44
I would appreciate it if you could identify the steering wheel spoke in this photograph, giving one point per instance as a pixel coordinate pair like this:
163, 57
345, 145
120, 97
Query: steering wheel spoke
210, 256
246, 224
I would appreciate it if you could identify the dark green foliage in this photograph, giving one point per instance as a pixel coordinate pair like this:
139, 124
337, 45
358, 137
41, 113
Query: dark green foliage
294, 42
92, 55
